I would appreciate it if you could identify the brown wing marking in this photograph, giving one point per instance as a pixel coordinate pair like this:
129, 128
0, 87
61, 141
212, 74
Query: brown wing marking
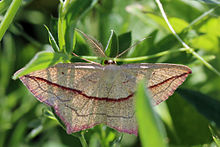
164, 81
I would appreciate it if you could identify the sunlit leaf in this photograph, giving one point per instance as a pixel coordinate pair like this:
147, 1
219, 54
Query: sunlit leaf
150, 128
211, 27
41, 60
206, 42
52, 41
4, 4
215, 137
112, 48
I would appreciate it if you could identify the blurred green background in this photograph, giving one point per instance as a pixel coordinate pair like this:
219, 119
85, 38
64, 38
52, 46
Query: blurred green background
191, 116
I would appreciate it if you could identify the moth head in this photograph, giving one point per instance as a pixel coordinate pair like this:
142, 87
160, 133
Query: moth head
109, 62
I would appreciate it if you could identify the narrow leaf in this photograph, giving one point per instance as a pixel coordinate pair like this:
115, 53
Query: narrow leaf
4, 4
210, 1
52, 40
72, 15
215, 137
81, 47
150, 128
111, 49
9, 16
124, 41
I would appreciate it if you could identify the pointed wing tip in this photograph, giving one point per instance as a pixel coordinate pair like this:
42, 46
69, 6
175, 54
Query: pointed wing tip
16, 74
184, 76
187, 69
190, 71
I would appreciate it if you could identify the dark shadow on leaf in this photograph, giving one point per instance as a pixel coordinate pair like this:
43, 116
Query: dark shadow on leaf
206, 105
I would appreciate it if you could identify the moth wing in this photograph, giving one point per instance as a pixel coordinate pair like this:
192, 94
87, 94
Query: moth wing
84, 95
161, 79
74, 91
57, 86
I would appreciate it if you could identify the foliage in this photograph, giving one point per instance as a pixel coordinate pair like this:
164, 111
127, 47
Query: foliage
190, 117
150, 124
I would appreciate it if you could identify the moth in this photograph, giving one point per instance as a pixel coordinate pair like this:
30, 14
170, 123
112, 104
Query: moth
87, 94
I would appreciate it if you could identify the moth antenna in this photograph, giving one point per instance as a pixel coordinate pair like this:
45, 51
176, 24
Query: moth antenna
85, 59
136, 43
98, 49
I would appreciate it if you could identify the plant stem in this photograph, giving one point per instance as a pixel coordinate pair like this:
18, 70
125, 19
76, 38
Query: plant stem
201, 17
169, 25
150, 56
188, 49
9, 16
83, 140
135, 58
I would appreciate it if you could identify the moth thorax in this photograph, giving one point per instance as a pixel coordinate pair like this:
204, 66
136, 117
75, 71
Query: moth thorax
108, 62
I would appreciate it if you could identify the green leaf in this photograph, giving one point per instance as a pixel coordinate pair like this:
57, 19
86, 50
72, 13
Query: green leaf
96, 47
209, 38
52, 40
6, 56
215, 135
187, 122
150, 128
18, 133
146, 47
41, 60
72, 15
105, 21
53, 26
9, 16
206, 105
211, 27
81, 48
206, 42
4, 4
124, 41
34, 132
164, 114
178, 24
210, 1
154, 20
112, 49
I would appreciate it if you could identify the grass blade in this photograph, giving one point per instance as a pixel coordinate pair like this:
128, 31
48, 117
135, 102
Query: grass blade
150, 128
